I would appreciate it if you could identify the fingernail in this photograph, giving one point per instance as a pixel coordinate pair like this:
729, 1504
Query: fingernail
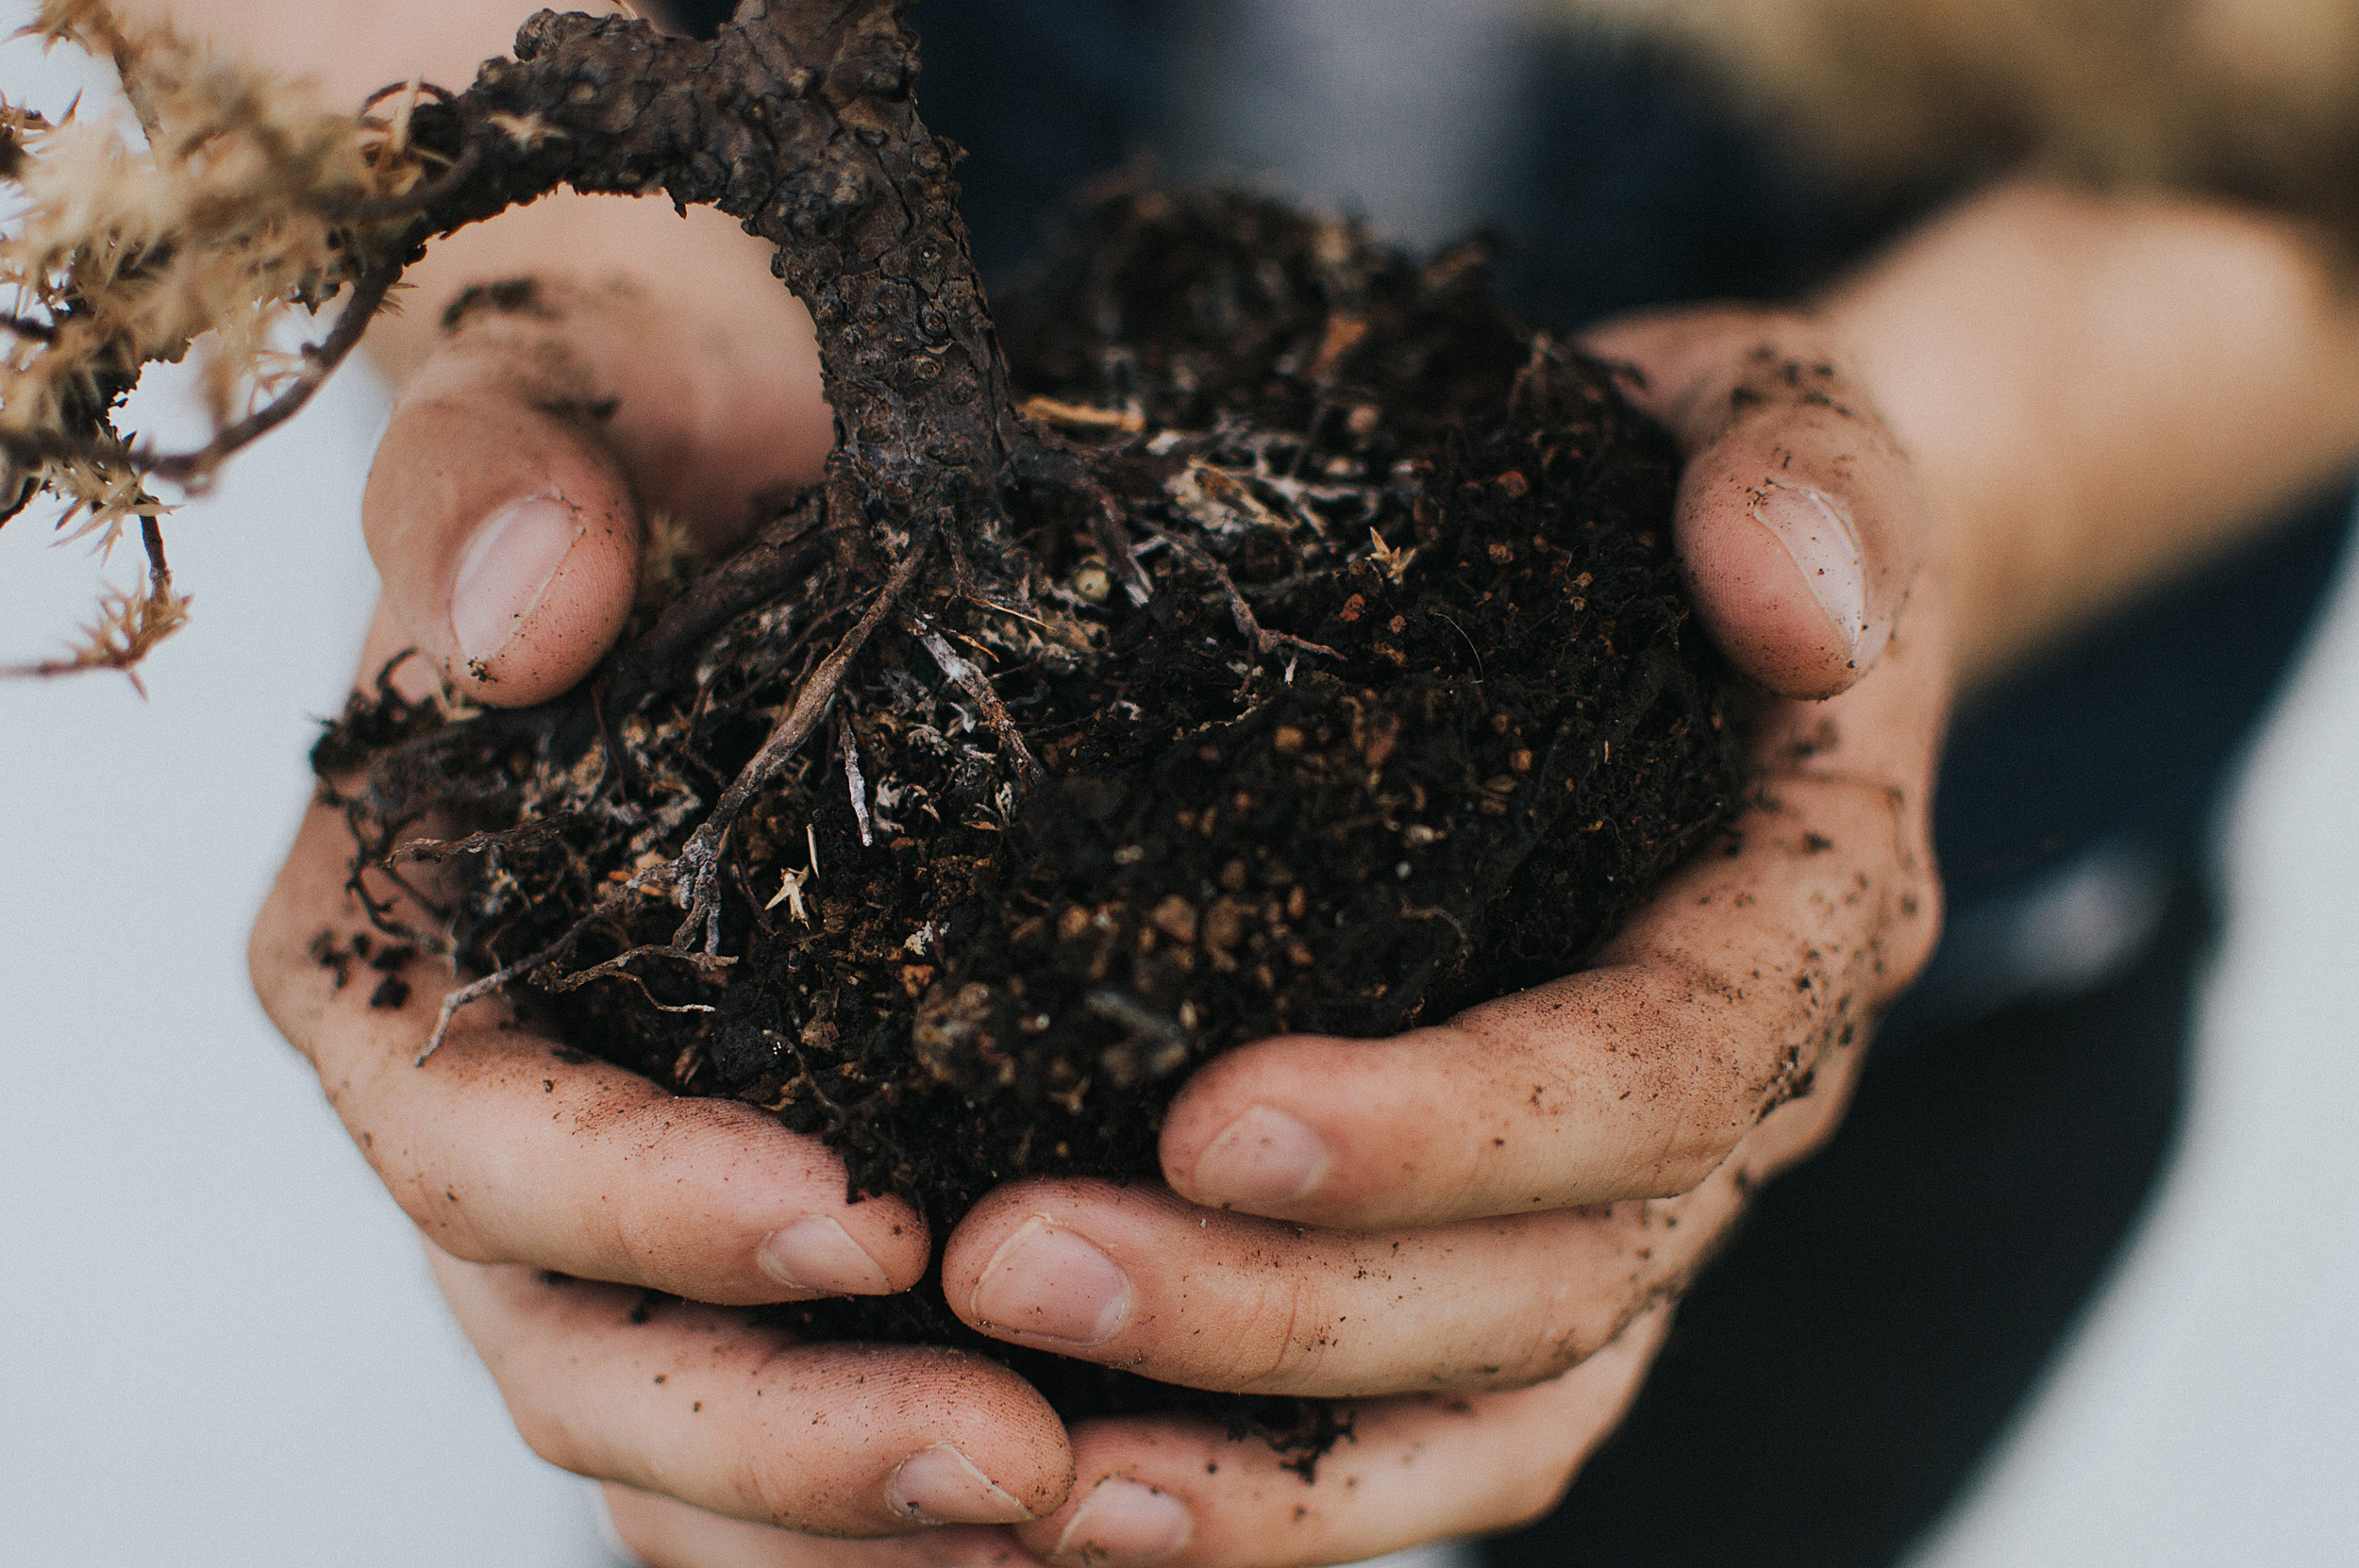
1126, 1522
508, 566
1826, 547
1261, 1159
1045, 1282
938, 1485
819, 1255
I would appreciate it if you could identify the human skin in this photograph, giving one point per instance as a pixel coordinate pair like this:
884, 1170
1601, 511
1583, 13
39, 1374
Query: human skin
2093, 392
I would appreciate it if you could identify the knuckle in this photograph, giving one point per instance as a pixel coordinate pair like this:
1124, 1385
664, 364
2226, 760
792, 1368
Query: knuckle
1278, 1337
1529, 1492
798, 1492
1682, 1170
435, 1206
773, 1493
639, 1237
1558, 1333
672, 1211
546, 1432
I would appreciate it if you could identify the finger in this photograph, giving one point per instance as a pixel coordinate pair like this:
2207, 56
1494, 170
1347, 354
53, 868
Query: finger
503, 505
1631, 1079
504, 535
1415, 1469
1717, 1000
1799, 524
663, 1532
507, 1148
1133, 1277
697, 1404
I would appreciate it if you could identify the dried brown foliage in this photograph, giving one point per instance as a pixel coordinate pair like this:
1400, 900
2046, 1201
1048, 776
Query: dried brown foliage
2250, 99
227, 201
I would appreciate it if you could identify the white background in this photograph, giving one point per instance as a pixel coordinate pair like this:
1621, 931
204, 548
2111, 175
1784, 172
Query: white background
218, 1344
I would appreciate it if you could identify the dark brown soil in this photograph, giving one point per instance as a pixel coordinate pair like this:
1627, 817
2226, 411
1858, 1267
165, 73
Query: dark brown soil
1407, 711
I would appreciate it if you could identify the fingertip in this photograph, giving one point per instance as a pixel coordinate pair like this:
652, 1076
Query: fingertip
1799, 525
996, 1452
1303, 1127
506, 539
1233, 1139
542, 588
816, 1256
1776, 573
1117, 1521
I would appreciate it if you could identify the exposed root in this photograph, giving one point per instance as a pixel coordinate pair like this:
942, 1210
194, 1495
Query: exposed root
620, 965
499, 980
1053, 462
1265, 642
780, 555
698, 863
972, 680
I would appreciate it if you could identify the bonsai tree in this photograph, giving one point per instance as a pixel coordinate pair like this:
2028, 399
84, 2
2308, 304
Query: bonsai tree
1307, 655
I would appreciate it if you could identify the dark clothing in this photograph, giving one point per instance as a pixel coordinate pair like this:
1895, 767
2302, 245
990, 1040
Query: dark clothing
1831, 1383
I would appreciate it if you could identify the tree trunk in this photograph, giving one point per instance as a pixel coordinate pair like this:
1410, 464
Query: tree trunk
798, 120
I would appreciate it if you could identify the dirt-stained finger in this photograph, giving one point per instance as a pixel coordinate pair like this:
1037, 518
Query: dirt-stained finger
509, 1147
505, 533
663, 1532
696, 1403
1133, 1277
1799, 525
1415, 1469
505, 504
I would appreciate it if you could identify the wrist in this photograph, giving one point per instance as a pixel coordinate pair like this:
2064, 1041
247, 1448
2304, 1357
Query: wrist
2097, 392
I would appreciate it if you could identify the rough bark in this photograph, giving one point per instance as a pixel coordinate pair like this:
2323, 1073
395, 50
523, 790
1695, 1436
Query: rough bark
798, 120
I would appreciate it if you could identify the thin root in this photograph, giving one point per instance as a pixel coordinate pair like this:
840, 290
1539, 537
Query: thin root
695, 868
858, 787
1265, 641
972, 680
499, 980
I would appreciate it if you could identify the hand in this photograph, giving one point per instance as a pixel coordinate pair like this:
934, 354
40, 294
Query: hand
477, 420
1485, 1205
515, 1155
494, 416
1481, 1225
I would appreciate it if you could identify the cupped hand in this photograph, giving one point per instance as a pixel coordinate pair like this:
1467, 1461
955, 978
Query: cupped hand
1416, 1468
1479, 1219
1492, 1204
1474, 1231
505, 510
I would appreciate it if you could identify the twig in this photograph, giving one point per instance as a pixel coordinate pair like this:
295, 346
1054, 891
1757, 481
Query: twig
702, 857
972, 680
1082, 416
378, 209
1265, 641
857, 786
476, 843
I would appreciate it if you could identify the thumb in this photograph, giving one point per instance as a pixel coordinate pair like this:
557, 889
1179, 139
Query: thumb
1799, 525
505, 533
503, 505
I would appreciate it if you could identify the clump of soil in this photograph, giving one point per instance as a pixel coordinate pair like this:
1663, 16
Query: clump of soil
1355, 690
